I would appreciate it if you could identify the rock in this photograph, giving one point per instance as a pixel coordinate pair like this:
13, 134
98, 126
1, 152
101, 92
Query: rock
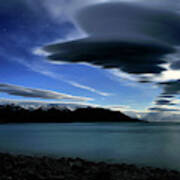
27, 168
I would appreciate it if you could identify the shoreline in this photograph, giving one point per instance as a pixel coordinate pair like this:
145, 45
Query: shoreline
25, 167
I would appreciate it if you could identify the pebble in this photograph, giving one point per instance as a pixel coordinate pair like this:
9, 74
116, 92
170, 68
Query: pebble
44, 168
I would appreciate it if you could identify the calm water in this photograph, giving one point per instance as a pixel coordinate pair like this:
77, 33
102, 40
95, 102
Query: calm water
152, 144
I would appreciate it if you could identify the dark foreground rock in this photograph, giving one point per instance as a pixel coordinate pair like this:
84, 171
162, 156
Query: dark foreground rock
45, 168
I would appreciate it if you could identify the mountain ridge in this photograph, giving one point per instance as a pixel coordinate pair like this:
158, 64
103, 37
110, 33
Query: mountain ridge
17, 114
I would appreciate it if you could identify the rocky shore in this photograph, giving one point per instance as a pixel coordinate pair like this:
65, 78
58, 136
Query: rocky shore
19, 167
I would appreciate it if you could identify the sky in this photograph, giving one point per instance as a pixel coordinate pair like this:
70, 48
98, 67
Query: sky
117, 54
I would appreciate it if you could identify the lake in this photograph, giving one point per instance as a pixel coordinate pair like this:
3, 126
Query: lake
150, 144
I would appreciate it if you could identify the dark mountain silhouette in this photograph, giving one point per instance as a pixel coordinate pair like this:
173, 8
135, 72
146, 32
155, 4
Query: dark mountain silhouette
17, 114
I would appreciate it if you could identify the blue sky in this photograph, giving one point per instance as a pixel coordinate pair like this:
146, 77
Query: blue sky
27, 26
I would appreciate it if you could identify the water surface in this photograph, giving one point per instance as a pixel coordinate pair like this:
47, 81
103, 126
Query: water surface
150, 144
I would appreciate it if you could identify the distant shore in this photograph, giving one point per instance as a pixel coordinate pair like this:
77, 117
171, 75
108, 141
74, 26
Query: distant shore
18, 114
17, 167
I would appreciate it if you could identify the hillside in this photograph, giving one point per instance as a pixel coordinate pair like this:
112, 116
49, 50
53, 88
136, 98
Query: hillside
13, 114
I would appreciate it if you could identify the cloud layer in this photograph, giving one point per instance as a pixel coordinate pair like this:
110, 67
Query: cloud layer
130, 37
129, 21
164, 102
171, 87
129, 57
37, 93
47, 104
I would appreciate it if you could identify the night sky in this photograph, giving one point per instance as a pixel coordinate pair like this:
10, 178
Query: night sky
118, 54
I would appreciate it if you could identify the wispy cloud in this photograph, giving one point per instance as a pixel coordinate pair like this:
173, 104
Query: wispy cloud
39, 68
164, 109
38, 93
123, 75
39, 103
75, 84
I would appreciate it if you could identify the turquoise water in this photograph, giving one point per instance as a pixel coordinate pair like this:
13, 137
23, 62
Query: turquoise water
150, 144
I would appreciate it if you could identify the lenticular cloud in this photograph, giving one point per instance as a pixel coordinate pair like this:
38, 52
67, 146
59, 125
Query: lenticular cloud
127, 36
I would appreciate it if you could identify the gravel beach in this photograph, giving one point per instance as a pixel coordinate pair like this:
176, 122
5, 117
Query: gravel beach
20, 167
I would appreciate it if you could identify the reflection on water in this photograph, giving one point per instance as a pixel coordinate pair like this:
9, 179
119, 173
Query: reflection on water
152, 144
